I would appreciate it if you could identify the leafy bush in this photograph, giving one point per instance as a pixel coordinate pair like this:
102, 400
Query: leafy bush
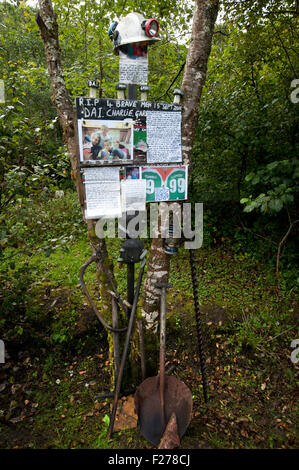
279, 180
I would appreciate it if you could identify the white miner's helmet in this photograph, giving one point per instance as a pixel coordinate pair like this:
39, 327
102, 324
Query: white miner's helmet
133, 28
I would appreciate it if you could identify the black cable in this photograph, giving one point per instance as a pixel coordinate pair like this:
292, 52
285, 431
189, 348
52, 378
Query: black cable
176, 77
198, 326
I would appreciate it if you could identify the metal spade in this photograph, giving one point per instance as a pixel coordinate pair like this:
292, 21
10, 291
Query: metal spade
160, 396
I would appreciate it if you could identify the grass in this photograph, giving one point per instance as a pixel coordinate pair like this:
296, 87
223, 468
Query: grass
59, 361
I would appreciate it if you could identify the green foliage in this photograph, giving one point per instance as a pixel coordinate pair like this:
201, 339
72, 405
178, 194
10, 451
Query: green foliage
42, 223
281, 177
35, 231
101, 442
246, 145
245, 107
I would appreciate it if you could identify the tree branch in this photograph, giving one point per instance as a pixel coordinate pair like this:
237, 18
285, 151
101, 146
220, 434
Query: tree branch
222, 32
283, 46
282, 241
204, 19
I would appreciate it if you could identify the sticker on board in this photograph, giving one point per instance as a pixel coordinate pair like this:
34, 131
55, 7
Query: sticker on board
165, 183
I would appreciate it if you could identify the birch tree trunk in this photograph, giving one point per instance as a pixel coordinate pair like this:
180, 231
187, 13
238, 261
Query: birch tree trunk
204, 18
48, 26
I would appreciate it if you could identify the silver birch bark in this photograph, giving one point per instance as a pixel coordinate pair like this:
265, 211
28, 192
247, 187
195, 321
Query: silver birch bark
204, 18
46, 20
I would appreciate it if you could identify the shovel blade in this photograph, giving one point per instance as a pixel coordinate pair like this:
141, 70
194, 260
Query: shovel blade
177, 399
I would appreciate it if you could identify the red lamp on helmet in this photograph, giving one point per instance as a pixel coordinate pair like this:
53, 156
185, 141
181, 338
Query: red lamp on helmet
151, 27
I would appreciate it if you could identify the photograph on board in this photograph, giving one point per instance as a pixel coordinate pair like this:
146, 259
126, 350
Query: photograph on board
106, 141
132, 173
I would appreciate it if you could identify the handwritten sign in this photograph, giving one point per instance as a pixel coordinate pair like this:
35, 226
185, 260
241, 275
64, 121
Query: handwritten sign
163, 137
102, 191
133, 69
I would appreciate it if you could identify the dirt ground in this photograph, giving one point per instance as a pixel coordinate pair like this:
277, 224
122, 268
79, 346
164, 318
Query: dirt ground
58, 406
